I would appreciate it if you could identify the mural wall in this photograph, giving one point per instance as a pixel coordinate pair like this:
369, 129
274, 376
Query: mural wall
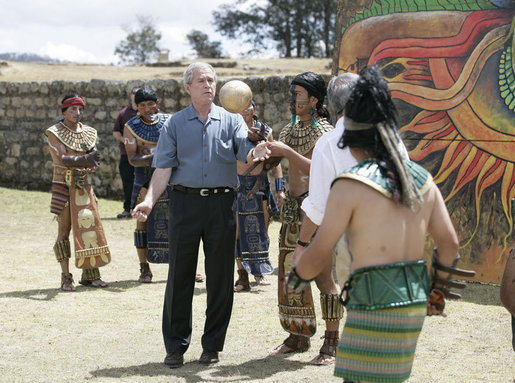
451, 71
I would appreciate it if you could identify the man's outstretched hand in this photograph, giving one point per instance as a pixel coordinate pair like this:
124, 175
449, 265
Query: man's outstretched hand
261, 151
141, 211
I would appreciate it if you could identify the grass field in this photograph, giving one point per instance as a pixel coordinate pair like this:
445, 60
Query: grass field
22, 72
114, 334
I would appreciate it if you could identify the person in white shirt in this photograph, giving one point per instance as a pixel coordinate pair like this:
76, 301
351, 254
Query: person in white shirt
327, 162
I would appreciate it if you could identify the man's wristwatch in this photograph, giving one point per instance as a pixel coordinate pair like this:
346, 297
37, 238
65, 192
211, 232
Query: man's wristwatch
295, 282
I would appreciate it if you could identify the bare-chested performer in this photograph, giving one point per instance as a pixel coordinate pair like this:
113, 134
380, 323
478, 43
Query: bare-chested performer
385, 205
296, 143
254, 198
74, 155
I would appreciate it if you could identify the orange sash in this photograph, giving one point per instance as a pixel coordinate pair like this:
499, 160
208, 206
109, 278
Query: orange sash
91, 248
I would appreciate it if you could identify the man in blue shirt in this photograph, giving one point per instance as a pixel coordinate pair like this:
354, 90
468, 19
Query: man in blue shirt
197, 153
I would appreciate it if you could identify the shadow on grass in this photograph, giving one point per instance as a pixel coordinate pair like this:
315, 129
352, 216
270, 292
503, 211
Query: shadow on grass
193, 371
49, 294
116, 219
481, 294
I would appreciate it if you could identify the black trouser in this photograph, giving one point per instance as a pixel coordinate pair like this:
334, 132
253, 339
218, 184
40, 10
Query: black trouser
127, 175
192, 218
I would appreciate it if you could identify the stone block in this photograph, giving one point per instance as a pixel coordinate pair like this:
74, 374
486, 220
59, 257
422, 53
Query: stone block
41, 114
169, 105
33, 151
93, 101
16, 102
100, 115
15, 150
27, 101
43, 88
112, 102
24, 87
184, 102
56, 87
51, 102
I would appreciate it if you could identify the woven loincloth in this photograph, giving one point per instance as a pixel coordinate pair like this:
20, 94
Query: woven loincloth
379, 345
157, 229
252, 248
386, 308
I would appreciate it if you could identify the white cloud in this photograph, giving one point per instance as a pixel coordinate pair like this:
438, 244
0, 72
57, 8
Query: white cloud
67, 52
89, 31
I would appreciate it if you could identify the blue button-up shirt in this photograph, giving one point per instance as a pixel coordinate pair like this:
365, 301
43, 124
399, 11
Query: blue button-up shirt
203, 155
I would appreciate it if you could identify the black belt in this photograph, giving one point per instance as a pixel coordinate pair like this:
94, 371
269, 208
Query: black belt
203, 192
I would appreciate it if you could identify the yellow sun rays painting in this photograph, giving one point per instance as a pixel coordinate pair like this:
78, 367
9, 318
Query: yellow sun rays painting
451, 73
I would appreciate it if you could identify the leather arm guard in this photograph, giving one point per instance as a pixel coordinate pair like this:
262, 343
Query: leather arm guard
295, 282
440, 287
90, 160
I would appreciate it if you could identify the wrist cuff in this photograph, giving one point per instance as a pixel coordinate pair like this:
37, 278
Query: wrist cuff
278, 184
295, 282
302, 243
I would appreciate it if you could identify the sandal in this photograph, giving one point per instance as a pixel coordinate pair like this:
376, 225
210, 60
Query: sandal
96, 283
294, 343
145, 273
67, 282
242, 284
261, 281
327, 354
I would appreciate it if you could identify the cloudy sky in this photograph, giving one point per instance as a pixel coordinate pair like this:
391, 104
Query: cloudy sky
88, 31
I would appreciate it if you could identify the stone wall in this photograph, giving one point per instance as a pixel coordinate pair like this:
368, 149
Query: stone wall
27, 109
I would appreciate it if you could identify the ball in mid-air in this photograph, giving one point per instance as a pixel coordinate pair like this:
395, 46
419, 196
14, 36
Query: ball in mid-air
235, 96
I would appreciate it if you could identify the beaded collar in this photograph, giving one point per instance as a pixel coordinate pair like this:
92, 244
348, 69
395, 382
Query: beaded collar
303, 138
81, 140
147, 131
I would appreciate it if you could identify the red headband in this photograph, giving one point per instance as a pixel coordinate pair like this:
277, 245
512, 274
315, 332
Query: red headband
73, 101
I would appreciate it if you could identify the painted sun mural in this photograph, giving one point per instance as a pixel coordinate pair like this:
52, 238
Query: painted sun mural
451, 71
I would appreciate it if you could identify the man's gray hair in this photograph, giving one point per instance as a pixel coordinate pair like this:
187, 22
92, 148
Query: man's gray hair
188, 73
339, 90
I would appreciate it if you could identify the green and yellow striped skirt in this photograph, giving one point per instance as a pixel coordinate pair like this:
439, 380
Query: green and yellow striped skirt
379, 345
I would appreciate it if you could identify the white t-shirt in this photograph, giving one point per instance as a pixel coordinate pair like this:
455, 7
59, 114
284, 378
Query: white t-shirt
327, 162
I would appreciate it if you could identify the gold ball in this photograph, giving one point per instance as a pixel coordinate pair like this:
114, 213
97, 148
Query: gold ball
235, 96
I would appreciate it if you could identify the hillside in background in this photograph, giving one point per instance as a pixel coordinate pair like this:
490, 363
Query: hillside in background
26, 57
14, 71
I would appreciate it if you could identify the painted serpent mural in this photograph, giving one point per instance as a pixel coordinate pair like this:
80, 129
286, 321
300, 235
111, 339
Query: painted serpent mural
451, 71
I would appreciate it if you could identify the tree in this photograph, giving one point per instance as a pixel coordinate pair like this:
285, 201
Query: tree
306, 29
199, 41
140, 46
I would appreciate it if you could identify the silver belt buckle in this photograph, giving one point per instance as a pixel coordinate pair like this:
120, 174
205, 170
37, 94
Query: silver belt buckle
204, 192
